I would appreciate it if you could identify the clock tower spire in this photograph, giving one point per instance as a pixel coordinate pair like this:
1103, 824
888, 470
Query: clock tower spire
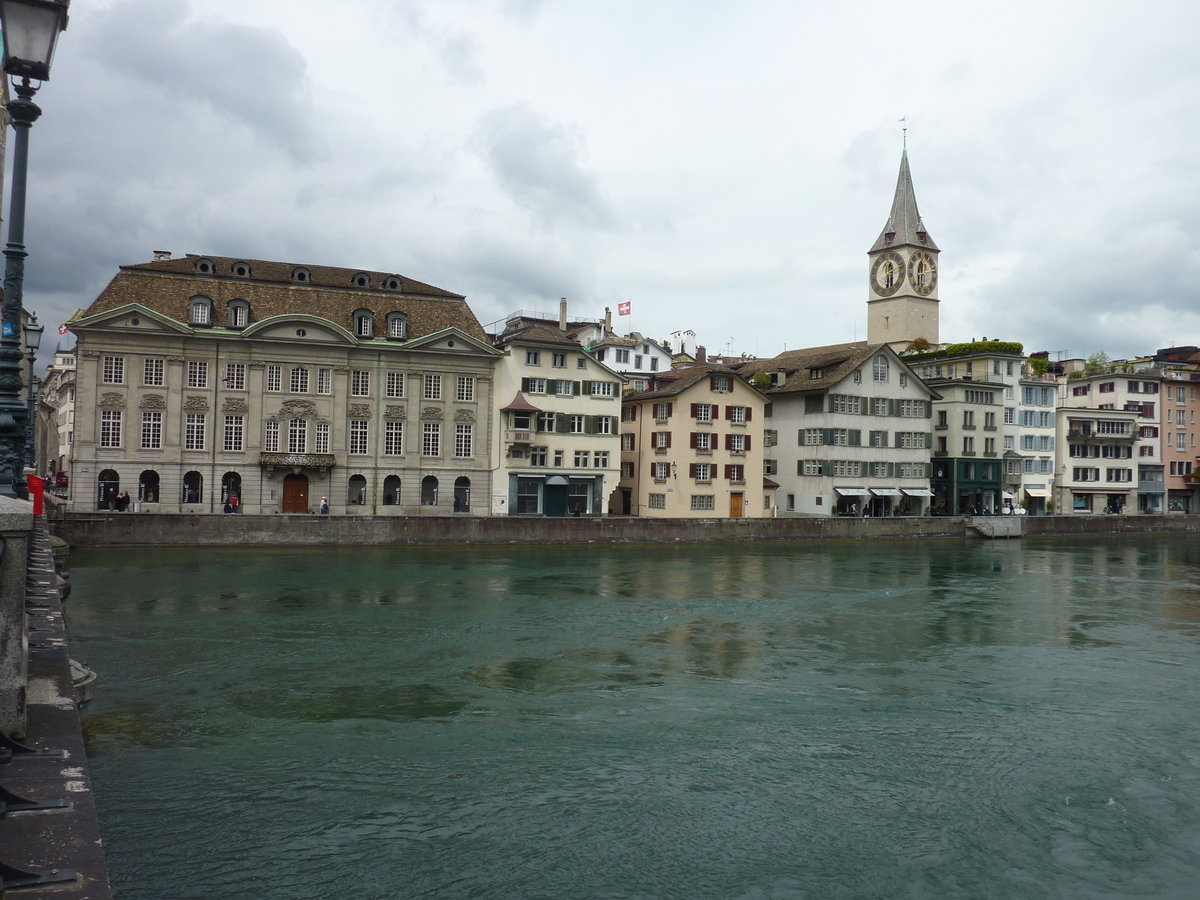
903, 303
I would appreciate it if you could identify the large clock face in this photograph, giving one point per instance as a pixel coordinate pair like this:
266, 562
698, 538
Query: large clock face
922, 272
887, 273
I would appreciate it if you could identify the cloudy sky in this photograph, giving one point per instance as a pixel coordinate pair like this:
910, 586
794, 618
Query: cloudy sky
724, 166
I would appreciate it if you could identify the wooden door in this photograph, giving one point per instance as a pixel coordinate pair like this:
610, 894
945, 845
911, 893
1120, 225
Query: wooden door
295, 494
735, 505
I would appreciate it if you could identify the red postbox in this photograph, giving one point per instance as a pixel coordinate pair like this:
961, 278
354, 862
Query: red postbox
37, 492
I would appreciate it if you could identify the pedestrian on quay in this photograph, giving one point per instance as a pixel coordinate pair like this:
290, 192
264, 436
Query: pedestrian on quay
324, 506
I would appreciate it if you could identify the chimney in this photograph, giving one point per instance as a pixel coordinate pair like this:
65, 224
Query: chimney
701, 354
160, 255
607, 320
562, 314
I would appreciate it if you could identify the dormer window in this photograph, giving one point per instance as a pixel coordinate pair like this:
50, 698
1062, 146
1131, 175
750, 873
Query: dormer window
241, 270
204, 267
364, 323
814, 373
200, 311
361, 280
397, 326
239, 313
302, 275
393, 284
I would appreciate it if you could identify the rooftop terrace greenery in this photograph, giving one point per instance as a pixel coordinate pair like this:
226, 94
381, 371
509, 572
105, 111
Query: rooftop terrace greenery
964, 350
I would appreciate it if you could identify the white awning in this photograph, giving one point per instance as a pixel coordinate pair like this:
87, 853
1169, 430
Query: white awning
918, 492
885, 492
1007, 495
853, 491
1037, 492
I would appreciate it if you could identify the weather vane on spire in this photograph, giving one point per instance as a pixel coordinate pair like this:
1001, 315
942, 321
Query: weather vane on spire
904, 130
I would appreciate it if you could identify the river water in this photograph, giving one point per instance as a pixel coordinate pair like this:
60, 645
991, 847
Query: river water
877, 720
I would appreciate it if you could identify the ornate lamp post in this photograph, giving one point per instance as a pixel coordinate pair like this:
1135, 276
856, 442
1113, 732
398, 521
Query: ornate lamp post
33, 340
31, 29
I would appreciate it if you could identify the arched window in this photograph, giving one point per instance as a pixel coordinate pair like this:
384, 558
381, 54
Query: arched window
356, 495
393, 283
231, 487
241, 269
462, 494
302, 275
881, 368
148, 486
361, 280
429, 486
298, 436
239, 313
391, 490
193, 488
397, 325
200, 311
109, 483
204, 266
364, 323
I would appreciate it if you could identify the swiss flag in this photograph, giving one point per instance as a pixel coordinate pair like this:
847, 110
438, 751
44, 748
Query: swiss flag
62, 329
625, 309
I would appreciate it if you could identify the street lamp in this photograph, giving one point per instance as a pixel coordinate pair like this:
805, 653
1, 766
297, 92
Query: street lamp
31, 29
33, 339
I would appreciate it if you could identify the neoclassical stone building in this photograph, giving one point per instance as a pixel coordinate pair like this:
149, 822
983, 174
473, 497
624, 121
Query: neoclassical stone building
205, 378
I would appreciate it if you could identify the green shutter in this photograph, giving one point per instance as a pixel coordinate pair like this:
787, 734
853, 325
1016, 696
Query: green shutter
928, 408
883, 439
525, 385
928, 440
589, 424
826, 435
800, 437
585, 387
928, 470
854, 438
814, 403
892, 407
574, 388
562, 424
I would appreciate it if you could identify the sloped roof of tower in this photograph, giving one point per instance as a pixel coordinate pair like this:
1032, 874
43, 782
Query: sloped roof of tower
904, 225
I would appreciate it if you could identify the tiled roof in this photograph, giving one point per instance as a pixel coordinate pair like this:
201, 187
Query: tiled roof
904, 224
520, 404
670, 384
835, 362
538, 334
166, 286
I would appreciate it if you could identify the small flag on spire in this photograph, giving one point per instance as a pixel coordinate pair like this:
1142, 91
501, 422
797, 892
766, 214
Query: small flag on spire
625, 309
62, 329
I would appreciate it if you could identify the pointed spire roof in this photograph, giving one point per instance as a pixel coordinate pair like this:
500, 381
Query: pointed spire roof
904, 225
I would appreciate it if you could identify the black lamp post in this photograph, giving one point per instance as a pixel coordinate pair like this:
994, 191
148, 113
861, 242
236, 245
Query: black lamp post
31, 29
33, 340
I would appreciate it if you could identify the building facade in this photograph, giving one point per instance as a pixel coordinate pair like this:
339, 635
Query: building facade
692, 447
55, 423
205, 380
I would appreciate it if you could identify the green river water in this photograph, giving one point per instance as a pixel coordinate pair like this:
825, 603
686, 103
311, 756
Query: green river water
876, 720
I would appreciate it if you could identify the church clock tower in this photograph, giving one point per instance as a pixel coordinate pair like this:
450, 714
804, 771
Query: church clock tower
903, 301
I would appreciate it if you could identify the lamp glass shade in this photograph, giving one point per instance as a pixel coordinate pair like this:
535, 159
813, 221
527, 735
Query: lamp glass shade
30, 35
33, 334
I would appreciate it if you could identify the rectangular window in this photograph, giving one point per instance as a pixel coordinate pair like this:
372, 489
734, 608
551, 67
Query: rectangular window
657, 501
464, 441
431, 439
737, 415
360, 383
737, 443
627, 442
604, 424
153, 371
1009, 442
298, 436
299, 381
842, 403
271, 437
602, 388
533, 358
358, 437
622, 356
910, 440
235, 376
581, 459
969, 445
393, 438
702, 440
736, 473
324, 381
600, 459
466, 388
722, 384
989, 446
661, 470
321, 438
577, 424
193, 431
395, 384
558, 360
703, 472
662, 440
880, 369
627, 469
197, 374
968, 419
537, 456
703, 502
1180, 443
562, 387
235, 429
151, 431
113, 370
274, 378
703, 412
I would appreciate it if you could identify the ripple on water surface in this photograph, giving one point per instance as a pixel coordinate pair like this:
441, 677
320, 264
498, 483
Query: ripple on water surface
914, 720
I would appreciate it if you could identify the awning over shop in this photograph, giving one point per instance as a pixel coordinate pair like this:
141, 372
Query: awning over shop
917, 492
885, 492
1007, 495
1037, 492
853, 491
1076, 490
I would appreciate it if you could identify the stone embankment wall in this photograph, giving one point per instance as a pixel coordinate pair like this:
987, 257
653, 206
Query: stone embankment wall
154, 530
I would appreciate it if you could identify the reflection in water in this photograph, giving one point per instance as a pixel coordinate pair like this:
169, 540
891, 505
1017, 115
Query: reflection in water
991, 719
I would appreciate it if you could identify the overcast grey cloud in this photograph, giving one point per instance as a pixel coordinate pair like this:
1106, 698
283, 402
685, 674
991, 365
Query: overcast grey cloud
723, 166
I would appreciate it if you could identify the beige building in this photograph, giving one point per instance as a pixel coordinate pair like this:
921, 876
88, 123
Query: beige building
205, 379
692, 447
55, 423
557, 450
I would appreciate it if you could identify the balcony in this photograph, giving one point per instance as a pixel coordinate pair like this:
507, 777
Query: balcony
989, 452
296, 460
968, 453
518, 437
941, 452
989, 427
967, 427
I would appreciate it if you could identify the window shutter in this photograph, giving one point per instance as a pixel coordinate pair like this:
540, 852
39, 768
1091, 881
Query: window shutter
854, 438
883, 439
928, 440
729, 413
551, 386
670, 409
892, 411
891, 470
928, 470
799, 467
694, 438
866, 409
814, 403
586, 387
691, 470
562, 425
574, 388
525, 385
668, 434
825, 468
712, 382
695, 410
716, 411
746, 444
826, 435
928, 409
729, 442
633, 413
729, 473
589, 424
749, 414
830, 404
799, 437
632, 441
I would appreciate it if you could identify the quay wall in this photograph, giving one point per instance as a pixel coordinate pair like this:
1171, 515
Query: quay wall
175, 530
